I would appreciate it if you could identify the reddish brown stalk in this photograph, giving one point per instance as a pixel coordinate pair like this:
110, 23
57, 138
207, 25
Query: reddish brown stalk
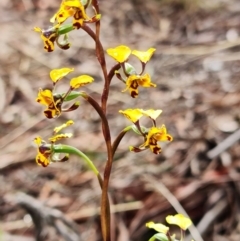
94, 37
112, 72
118, 140
101, 58
105, 207
89, 31
96, 5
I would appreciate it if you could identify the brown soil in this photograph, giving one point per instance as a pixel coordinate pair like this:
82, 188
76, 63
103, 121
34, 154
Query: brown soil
196, 68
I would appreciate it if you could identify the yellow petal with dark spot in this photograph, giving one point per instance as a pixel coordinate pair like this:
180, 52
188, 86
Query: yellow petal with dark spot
45, 97
38, 140
42, 160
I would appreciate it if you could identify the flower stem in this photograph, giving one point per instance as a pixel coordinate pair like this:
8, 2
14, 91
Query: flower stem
119, 138
105, 207
112, 71
169, 236
72, 150
101, 59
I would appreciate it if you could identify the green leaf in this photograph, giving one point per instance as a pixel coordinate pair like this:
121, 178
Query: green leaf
73, 95
66, 28
74, 151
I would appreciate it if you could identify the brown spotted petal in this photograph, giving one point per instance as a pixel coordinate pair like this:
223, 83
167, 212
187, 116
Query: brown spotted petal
44, 152
136, 149
48, 36
53, 103
73, 107
134, 81
154, 135
56, 158
54, 108
132, 85
63, 44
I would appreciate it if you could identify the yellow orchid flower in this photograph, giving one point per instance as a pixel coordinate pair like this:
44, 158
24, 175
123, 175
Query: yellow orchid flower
151, 136
144, 56
134, 81
75, 9
48, 36
180, 220
154, 135
58, 74
53, 103
45, 154
68, 9
135, 114
158, 227
52, 35
63, 13
80, 81
120, 53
